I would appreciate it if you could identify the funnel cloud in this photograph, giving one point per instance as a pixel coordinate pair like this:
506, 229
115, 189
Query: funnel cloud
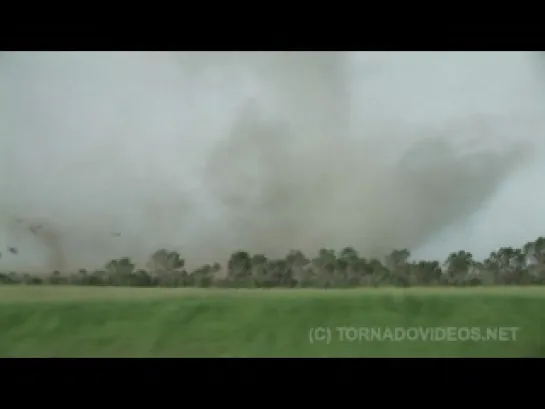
111, 154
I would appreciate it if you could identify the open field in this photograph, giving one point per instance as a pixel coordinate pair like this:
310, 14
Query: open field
115, 321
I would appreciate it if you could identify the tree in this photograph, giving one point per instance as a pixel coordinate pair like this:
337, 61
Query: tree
426, 273
458, 266
399, 268
168, 268
508, 265
164, 260
239, 266
535, 256
119, 271
202, 276
324, 266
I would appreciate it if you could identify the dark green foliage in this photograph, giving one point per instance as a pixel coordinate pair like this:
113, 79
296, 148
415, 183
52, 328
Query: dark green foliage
239, 266
329, 269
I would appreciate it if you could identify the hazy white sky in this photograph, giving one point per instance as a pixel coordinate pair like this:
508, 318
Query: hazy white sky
207, 153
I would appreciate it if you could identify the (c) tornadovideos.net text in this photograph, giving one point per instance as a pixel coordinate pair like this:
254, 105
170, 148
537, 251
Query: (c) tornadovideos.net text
362, 334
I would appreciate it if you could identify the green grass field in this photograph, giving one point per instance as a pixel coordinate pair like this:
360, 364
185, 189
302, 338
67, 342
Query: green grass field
130, 322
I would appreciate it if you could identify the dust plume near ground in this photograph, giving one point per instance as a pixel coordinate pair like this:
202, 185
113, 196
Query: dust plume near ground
109, 154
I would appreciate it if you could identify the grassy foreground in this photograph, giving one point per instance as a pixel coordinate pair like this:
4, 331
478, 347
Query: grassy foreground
136, 322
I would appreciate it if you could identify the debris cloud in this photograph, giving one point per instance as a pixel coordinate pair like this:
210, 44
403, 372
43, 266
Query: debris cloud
110, 154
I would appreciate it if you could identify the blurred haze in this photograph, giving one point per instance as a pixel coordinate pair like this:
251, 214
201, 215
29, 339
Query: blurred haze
110, 154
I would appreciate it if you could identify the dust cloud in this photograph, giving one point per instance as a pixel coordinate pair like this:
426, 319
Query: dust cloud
110, 154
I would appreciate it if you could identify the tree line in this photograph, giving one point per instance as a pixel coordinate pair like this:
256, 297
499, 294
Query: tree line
329, 268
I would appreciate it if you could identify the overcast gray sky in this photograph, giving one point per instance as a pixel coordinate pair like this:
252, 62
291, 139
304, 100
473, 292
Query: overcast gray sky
207, 153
